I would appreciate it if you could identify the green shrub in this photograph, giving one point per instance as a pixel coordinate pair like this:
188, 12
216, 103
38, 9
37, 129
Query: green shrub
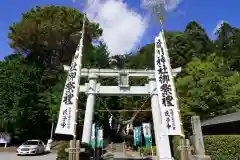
147, 151
223, 147
61, 154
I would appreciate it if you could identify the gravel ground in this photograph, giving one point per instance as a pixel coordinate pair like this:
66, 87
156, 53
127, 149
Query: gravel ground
13, 156
8, 149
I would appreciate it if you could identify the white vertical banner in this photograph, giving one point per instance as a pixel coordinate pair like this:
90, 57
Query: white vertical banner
66, 118
166, 90
110, 122
127, 128
146, 129
147, 134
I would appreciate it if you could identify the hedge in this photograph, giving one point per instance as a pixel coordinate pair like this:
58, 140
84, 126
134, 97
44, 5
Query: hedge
219, 147
223, 147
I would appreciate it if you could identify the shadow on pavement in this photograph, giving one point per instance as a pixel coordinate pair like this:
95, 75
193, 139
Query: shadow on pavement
40, 154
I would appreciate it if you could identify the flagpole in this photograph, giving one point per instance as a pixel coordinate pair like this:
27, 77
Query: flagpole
165, 43
78, 84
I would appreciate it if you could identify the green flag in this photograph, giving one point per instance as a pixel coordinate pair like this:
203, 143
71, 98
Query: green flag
92, 141
100, 138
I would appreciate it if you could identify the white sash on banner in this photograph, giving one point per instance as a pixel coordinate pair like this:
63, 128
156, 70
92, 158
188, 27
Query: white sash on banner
146, 129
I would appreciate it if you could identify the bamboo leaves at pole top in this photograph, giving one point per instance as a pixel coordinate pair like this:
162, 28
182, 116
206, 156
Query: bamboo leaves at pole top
85, 4
159, 8
160, 5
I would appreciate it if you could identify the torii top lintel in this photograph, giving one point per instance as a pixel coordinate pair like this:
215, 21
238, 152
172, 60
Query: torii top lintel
115, 72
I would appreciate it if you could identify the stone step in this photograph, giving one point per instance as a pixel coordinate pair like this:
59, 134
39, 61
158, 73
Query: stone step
116, 147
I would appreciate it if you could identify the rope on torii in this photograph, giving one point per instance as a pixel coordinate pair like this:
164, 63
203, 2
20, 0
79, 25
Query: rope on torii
133, 117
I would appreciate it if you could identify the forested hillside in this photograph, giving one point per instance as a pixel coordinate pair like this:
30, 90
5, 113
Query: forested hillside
32, 78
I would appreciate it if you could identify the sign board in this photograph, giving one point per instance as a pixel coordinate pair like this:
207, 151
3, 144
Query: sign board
4, 138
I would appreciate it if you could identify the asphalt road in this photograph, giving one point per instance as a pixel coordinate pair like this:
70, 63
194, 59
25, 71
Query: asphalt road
12, 156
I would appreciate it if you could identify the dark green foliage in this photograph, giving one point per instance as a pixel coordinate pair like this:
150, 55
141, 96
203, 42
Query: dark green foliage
19, 92
50, 34
223, 147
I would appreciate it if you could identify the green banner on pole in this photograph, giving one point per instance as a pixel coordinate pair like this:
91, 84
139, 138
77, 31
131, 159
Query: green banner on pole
137, 136
148, 141
92, 141
100, 138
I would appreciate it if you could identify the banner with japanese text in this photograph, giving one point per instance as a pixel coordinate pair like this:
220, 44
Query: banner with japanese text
147, 134
166, 90
66, 118
137, 136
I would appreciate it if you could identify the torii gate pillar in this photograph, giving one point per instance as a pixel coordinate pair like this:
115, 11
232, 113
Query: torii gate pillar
88, 119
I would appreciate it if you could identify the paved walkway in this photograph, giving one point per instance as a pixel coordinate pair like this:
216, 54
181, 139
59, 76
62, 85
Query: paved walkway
130, 156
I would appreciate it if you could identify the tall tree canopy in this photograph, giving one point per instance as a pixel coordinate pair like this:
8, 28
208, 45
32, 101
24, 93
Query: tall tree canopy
51, 33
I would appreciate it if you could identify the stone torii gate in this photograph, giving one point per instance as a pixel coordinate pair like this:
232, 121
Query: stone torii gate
123, 89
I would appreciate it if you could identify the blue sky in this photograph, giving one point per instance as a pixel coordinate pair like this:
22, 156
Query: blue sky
206, 12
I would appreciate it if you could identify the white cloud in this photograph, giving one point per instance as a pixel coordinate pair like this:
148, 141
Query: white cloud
160, 5
122, 27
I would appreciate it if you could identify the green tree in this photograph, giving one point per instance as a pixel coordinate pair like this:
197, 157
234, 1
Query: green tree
98, 57
223, 36
201, 90
232, 93
198, 40
180, 50
19, 88
48, 37
227, 45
